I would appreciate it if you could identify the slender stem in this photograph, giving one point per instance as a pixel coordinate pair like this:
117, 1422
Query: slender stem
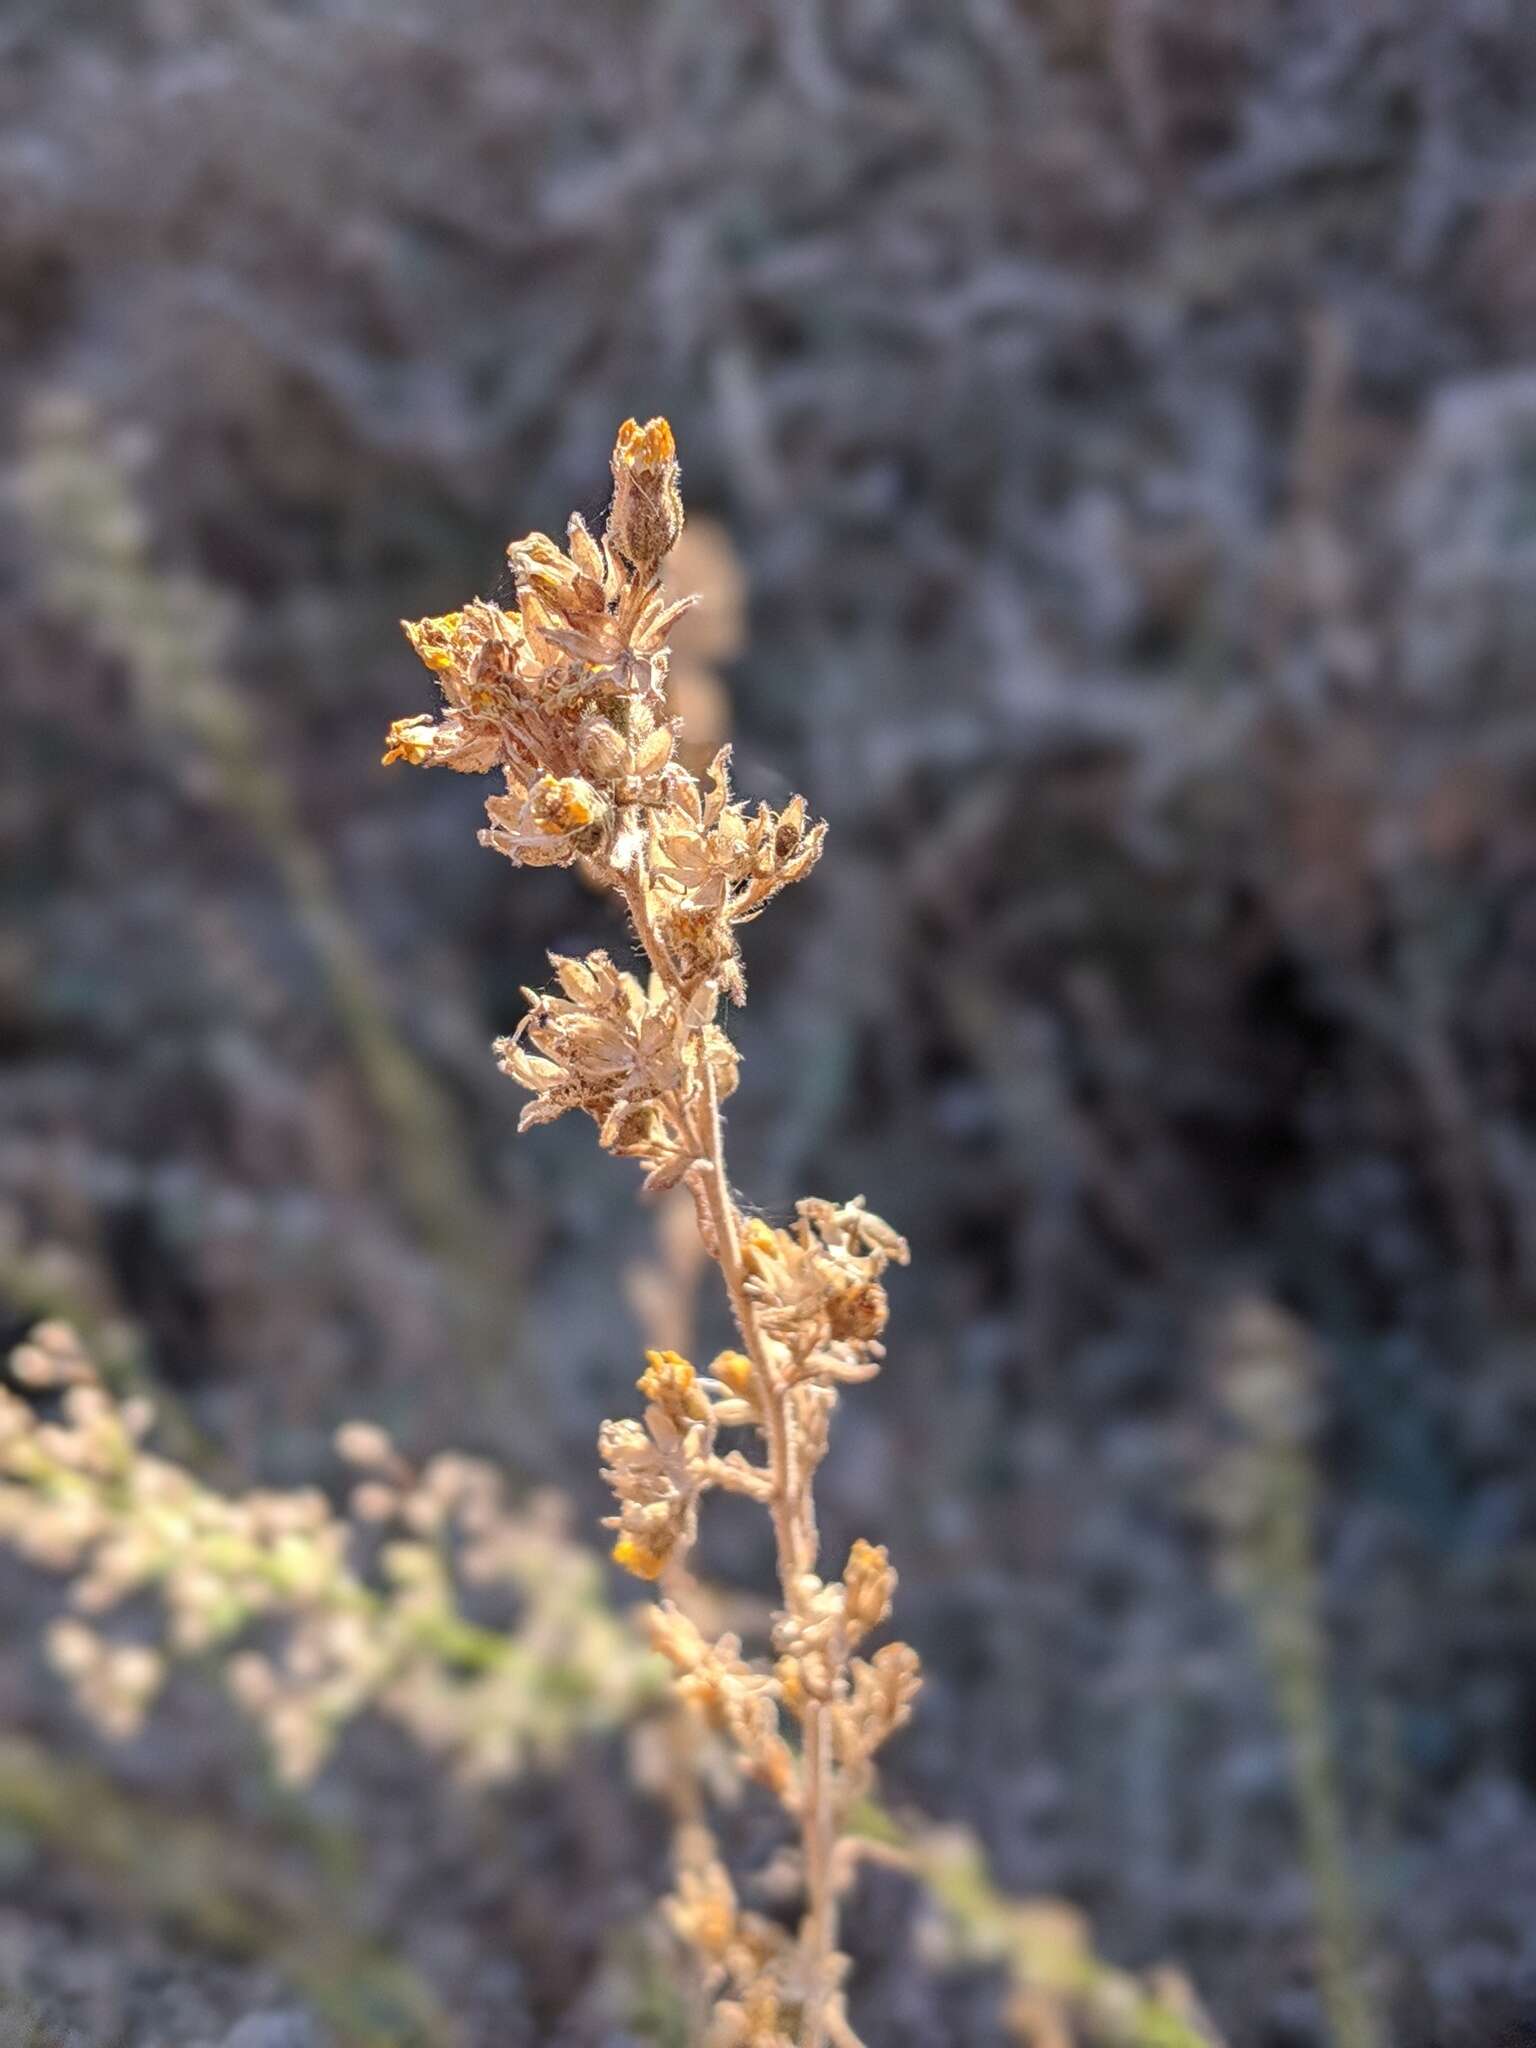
819, 1930
796, 1540
794, 1522
789, 1530
639, 910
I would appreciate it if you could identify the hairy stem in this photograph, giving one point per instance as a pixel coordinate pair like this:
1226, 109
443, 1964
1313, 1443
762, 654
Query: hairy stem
790, 1504
795, 1532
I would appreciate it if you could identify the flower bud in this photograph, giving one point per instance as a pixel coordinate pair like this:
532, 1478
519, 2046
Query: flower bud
644, 1560
672, 1384
646, 515
734, 1370
868, 1583
604, 755
759, 1247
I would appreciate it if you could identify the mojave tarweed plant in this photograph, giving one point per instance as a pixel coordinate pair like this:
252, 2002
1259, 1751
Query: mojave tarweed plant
565, 696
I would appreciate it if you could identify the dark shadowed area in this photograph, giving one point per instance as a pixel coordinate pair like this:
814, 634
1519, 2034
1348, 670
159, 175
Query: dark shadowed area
1109, 435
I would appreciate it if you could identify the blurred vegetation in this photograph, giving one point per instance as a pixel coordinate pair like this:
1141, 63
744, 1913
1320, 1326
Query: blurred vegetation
1262, 1490
230, 1894
84, 1495
173, 632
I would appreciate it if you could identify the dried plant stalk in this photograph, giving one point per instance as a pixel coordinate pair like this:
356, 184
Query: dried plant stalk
566, 696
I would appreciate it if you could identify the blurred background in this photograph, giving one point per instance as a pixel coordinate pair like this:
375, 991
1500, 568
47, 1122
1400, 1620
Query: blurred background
1109, 434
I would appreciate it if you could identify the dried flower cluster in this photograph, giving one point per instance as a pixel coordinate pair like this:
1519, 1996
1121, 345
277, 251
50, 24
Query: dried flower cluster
565, 695
80, 1493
